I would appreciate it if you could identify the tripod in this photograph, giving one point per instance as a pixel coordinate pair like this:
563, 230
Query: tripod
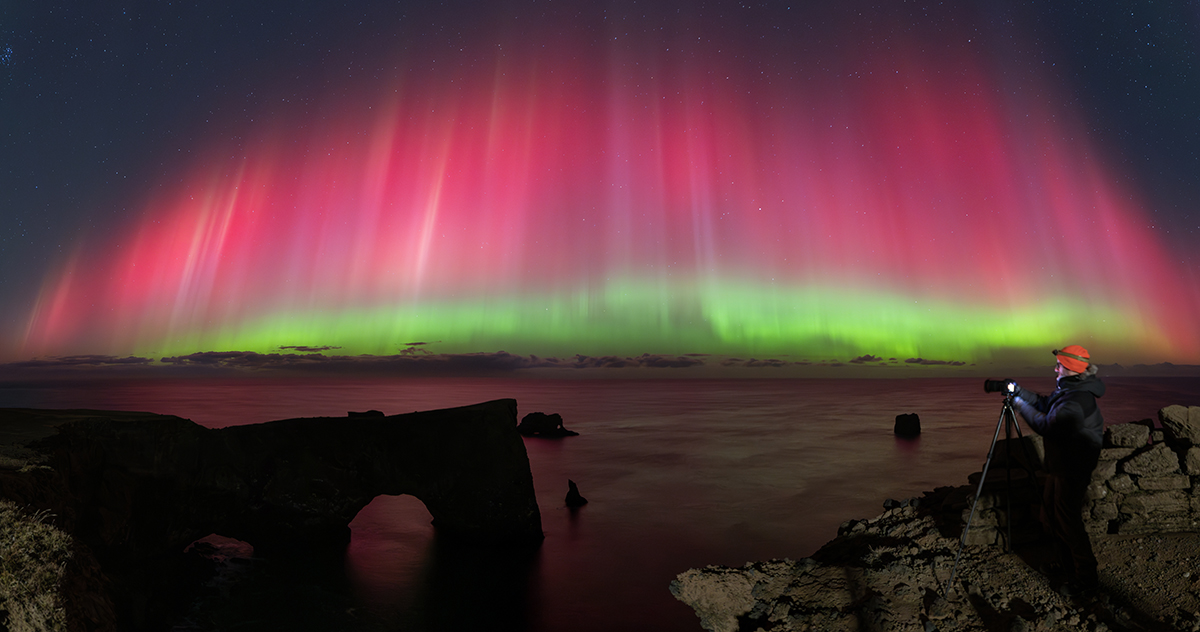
1008, 419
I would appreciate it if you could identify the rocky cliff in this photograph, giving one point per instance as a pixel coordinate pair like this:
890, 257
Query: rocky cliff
1147, 480
134, 489
893, 572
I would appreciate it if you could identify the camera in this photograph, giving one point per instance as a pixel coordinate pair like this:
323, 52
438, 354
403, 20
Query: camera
999, 386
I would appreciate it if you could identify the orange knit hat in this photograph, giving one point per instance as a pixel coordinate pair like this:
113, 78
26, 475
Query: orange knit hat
1073, 357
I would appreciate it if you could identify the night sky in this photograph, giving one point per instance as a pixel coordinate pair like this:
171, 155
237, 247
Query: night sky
600, 183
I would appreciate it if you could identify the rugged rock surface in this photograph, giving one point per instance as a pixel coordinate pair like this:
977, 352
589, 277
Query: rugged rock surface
1181, 423
134, 489
574, 498
893, 572
908, 425
543, 425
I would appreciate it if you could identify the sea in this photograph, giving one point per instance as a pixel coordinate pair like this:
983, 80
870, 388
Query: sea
679, 474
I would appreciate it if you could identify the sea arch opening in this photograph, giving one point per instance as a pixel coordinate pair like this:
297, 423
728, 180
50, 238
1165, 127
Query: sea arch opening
390, 545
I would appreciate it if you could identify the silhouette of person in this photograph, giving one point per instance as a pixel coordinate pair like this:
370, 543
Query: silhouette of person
1072, 428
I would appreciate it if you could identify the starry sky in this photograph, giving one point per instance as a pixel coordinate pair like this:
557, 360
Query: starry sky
587, 184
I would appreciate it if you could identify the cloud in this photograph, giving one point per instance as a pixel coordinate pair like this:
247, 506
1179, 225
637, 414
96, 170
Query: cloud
668, 362
755, 363
75, 367
593, 362
413, 348
246, 359
416, 360
925, 362
79, 360
412, 363
402, 363
863, 359
646, 360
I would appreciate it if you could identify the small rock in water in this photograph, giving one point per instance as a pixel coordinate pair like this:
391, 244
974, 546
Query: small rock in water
543, 425
573, 497
908, 425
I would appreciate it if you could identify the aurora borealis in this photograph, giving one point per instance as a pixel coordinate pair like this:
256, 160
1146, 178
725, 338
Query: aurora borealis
794, 183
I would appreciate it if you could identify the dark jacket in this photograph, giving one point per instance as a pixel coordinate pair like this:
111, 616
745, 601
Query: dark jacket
1070, 422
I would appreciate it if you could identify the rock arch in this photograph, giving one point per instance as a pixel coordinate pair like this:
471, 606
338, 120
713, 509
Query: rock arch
131, 488
139, 481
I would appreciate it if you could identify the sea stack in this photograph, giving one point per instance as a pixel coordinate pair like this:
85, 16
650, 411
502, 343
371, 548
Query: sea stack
543, 425
908, 425
574, 499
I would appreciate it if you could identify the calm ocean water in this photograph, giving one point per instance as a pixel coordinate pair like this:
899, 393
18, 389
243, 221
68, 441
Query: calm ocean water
679, 474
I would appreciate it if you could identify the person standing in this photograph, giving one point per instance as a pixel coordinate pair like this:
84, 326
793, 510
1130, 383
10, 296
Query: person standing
1072, 429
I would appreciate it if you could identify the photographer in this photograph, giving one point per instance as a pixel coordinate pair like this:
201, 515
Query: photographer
1072, 427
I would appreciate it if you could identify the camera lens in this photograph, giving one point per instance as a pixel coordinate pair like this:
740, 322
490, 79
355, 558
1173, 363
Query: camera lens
999, 386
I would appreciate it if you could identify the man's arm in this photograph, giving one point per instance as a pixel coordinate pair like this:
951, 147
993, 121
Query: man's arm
1061, 418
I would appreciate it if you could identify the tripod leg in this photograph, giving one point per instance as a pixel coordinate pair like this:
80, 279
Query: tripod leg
978, 491
1005, 413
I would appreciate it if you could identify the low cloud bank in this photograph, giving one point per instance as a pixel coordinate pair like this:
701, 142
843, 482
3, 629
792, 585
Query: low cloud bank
416, 359
424, 361
927, 362
77, 361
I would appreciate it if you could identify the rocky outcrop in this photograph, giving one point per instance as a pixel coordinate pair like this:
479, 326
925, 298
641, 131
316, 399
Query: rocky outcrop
574, 499
135, 487
908, 425
1181, 423
543, 425
894, 572
1148, 481
882, 574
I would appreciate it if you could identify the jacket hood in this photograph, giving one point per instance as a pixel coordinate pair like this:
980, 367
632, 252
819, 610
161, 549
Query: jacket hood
1086, 381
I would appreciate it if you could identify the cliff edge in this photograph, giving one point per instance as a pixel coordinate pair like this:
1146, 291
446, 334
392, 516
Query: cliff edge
132, 490
893, 572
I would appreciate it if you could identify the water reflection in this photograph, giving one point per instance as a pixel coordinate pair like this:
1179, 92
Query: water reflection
468, 587
390, 540
404, 576
908, 446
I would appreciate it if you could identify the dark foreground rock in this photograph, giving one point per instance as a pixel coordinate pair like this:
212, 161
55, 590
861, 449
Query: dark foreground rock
908, 425
893, 572
574, 498
132, 490
545, 426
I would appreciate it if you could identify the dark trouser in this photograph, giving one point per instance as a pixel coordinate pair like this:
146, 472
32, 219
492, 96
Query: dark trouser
1062, 514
